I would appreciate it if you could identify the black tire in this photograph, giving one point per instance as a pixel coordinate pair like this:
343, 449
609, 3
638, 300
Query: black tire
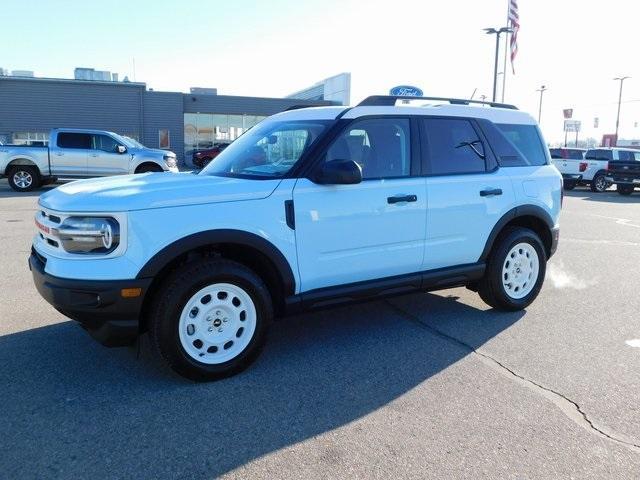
599, 184
173, 296
491, 288
149, 168
24, 178
569, 185
625, 190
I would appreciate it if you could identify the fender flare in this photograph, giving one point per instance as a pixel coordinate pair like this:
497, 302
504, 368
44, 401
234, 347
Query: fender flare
520, 211
22, 161
137, 163
211, 237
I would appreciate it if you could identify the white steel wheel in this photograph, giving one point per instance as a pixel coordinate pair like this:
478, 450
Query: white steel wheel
217, 323
520, 270
22, 179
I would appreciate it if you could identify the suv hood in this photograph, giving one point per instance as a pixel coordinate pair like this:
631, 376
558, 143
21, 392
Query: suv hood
152, 190
155, 151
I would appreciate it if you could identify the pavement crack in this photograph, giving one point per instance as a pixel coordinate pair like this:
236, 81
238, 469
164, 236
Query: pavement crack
568, 406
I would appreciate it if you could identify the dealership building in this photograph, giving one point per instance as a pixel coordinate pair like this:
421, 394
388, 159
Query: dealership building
182, 122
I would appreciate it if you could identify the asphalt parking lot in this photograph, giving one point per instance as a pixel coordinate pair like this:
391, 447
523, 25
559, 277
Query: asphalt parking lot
422, 386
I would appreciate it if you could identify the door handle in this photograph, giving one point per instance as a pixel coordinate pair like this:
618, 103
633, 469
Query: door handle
60, 154
94, 154
490, 192
402, 198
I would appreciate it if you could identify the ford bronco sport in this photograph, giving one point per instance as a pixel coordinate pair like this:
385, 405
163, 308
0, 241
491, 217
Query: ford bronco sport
311, 208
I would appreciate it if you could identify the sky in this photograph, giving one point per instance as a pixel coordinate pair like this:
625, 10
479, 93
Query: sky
276, 47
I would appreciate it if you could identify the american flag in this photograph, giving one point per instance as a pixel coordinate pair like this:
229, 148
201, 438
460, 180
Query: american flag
514, 23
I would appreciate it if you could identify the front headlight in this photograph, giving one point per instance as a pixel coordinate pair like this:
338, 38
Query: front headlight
170, 160
96, 235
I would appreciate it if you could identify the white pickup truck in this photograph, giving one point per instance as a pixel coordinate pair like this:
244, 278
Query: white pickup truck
76, 153
592, 169
571, 164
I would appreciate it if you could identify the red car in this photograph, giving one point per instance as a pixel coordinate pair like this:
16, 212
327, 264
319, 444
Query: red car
201, 158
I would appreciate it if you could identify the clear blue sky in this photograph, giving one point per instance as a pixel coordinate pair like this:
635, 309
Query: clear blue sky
272, 48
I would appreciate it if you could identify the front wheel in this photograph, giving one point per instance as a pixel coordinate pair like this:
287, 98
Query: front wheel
210, 319
599, 183
515, 270
625, 190
24, 178
149, 168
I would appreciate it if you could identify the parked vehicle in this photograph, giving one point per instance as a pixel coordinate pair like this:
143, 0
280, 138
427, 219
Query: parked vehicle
75, 153
311, 208
201, 158
597, 163
625, 172
571, 164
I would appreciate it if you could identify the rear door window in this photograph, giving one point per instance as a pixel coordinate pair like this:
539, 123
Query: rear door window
527, 140
599, 154
74, 140
454, 146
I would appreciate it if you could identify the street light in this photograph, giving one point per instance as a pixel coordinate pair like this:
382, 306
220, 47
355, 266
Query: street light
621, 79
496, 32
541, 90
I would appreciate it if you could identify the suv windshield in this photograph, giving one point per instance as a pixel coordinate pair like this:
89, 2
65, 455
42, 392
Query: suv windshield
268, 150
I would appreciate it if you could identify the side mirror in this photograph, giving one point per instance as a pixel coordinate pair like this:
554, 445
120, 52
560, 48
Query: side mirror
121, 149
339, 172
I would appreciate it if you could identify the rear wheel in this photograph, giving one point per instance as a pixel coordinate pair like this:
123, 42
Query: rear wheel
23, 178
515, 270
625, 189
210, 319
599, 183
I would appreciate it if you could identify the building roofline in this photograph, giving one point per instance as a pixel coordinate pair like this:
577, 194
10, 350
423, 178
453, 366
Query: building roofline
73, 81
311, 103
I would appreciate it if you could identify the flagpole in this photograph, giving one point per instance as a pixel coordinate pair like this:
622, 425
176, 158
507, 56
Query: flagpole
506, 48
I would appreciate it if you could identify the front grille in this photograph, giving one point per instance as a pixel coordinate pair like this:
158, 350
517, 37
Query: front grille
52, 218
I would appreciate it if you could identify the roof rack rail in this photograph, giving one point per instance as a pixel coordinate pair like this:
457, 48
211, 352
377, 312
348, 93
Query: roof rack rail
296, 107
390, 101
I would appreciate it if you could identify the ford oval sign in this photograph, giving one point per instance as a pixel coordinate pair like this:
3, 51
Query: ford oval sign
405, 91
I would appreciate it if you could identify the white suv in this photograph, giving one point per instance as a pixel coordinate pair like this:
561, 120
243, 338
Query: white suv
311, 208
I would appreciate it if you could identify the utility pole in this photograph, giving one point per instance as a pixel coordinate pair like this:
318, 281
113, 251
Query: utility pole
541, 90
621, 79
496, 32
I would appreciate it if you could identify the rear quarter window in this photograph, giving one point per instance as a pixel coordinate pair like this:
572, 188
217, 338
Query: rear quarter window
527, 140
515, 145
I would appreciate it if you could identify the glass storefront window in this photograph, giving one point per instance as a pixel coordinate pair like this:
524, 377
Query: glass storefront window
204, 130
30, 138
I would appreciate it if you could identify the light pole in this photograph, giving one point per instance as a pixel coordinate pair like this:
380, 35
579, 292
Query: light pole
621, 79
496, 32
541, 90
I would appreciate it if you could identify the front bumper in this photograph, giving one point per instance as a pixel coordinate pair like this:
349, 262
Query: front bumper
96, 304
555, 238
571, 179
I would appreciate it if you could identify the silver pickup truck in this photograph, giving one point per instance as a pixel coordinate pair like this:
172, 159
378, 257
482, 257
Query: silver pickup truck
75, 153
